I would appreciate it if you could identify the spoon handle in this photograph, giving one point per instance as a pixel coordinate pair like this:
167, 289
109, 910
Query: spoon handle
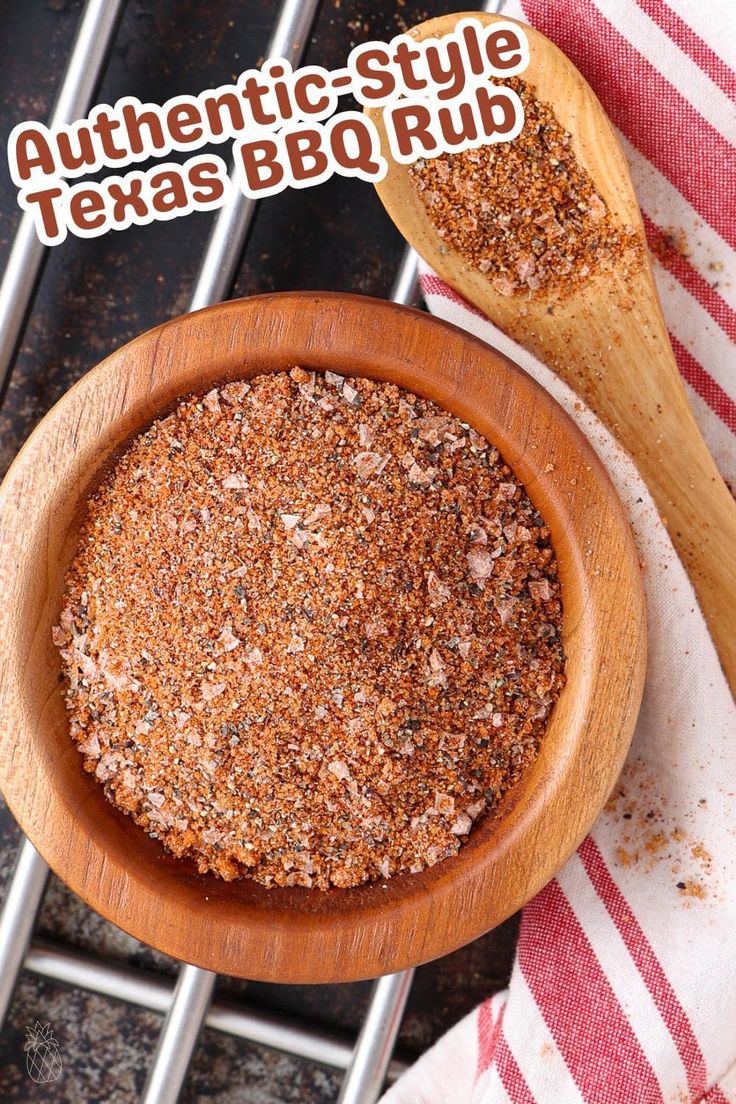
612, 347
700, 514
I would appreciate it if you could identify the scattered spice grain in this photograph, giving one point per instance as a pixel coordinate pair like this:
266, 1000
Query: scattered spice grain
649, 833
526, 213
312, 631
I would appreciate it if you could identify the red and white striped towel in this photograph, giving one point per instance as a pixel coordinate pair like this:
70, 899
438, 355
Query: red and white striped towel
624, 986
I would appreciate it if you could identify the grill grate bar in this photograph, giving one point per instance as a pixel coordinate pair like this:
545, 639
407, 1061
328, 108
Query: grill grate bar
18, 917
179, 1035
145, 989
227, 240
82, 75
366, 1073
405, 288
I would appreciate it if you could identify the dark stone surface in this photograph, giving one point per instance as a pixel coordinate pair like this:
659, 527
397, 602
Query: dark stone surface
94, 296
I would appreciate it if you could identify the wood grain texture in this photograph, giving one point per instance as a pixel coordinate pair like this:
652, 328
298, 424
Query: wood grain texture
608, 340
300, 935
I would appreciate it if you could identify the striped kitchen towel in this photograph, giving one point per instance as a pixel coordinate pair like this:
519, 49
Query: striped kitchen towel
624, 986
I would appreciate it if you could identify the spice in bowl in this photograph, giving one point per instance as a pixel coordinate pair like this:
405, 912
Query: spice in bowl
525, 213
312, 631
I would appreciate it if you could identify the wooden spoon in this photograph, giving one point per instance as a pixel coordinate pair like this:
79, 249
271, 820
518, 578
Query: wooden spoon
608, 340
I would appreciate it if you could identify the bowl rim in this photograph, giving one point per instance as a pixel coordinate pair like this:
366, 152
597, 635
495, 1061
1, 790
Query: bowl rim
289, 935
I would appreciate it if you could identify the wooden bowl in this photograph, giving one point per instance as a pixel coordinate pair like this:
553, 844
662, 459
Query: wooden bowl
299, 935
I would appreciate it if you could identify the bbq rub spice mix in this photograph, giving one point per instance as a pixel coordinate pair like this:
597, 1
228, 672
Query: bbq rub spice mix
526, 213
312, 632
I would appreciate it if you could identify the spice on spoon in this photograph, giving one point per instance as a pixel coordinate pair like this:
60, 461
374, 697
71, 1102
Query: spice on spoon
312, 631
525, 213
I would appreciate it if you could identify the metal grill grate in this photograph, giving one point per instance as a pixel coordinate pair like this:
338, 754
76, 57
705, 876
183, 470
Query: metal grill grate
188, 1004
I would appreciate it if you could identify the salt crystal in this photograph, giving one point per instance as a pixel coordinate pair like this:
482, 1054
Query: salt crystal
235, 482
501, 284
476, 809
526, 266
227, 640
234, 393
210, 690
212, 401
437, 590
369, 463
117, 680
349, 394
480, 563
505, 609
418, 476
299, 538
444, 803
540, 589
435, 660
107, 766
436, 670
596, 207
365, 435
320, 511
462, 825
90, 746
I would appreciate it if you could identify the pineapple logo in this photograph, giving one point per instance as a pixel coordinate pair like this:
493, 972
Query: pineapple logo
43, 1060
